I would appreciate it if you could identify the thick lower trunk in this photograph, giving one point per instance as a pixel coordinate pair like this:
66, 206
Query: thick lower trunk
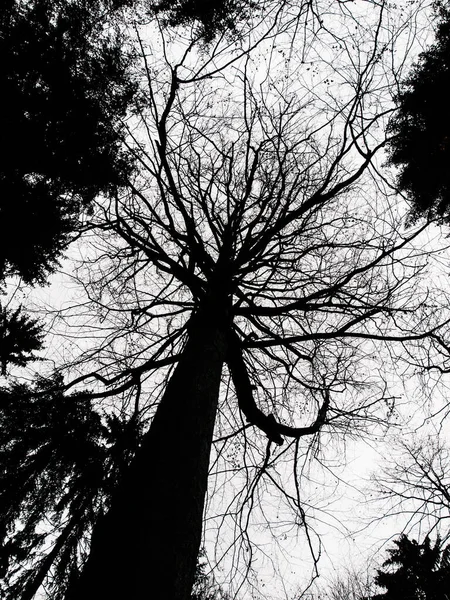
146, 547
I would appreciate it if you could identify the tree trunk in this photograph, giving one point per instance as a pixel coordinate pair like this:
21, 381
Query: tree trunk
147, 544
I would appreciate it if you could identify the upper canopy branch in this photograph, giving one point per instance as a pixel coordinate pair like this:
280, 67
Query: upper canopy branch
309, 302
196, 248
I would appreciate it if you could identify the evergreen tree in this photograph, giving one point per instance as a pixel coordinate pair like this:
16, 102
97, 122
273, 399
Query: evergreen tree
65, 88
20, 336
422, 571
60, 461
420, 143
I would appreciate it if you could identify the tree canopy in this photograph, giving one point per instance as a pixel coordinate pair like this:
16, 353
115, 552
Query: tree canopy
66, 87
420, 128
20, 336
61, 459
209, 18
420, 571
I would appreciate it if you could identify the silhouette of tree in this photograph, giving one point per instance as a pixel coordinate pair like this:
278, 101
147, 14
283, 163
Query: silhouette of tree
414, 481
60, 459
248, 288
65, 88
420, 143
348, 584
66, 84
210, 18
19, 337
422, 571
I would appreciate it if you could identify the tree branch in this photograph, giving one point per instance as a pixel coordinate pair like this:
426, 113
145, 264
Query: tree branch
244, 391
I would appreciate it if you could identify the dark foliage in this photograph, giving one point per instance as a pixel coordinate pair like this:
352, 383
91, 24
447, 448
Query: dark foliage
20, 336
421, 129
60, 461
212, 17
65, 88
422, 571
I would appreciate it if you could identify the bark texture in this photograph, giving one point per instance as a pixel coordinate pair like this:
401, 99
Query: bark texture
146, 547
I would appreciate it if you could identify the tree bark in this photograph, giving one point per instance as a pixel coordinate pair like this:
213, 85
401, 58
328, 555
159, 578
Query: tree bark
147, 544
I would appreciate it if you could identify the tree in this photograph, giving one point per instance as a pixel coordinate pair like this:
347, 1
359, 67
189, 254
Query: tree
348, 584
47, 439
238, 292
414, 482
19, 337
423, 571
66, 88
420, 128
209, 18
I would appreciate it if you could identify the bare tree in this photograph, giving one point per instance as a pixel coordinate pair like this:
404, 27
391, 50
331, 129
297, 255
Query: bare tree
349, 584
414, 485
251, 287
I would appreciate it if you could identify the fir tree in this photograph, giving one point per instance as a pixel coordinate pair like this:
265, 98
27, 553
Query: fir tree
415, 571
65, 88
420, 129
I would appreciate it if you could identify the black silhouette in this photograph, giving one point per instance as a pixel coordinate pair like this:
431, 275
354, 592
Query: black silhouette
420, 143
415, 571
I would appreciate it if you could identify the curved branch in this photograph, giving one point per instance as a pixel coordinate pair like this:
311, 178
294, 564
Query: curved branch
244, 391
